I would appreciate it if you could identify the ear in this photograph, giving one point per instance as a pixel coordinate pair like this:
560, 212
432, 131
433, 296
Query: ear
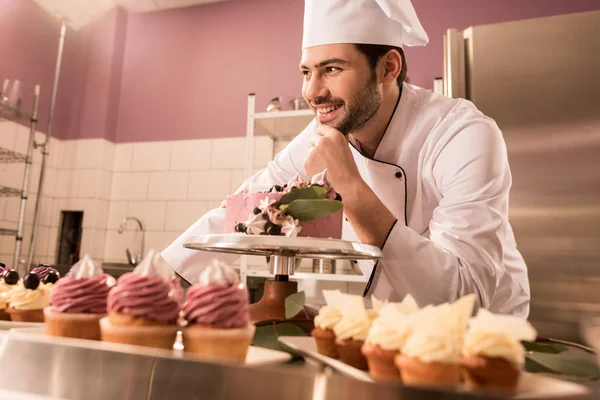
389, 67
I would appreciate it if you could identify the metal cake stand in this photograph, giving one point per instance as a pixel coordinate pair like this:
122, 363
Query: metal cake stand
284, 254
284, 251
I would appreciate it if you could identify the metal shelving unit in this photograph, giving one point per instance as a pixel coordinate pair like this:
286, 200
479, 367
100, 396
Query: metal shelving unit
8, 156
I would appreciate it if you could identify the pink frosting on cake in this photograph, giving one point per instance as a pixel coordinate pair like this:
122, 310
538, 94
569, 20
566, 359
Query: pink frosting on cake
84, 295
240, 206
146, 297
219, 306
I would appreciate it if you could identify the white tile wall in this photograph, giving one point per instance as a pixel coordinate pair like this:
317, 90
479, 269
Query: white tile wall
209, 185
151, 213
123, 157
182, 214
129, 186
190, 155
151, 156
228, 153
170, 185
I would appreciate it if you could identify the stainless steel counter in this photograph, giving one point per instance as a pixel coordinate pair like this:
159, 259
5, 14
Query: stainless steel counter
55, 371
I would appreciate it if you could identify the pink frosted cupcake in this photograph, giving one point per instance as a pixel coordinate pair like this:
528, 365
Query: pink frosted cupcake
46, 273
144, 306
218, 318
78, 301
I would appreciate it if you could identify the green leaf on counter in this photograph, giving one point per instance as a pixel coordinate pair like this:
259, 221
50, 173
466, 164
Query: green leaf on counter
311, 192
266, 335
294, 304
551, 348
562, 365
306, 210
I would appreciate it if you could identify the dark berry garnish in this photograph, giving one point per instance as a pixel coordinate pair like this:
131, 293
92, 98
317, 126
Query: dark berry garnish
338, 197
52, 277
11, 277
2, 265
284, 187
257, 210
278, 188
240, 228
274, 230
31, 281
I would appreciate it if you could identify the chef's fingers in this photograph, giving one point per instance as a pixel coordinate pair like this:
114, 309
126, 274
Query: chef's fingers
314, 140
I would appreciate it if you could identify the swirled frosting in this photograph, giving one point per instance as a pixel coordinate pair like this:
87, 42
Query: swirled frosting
43, 270
21, 298
498, 336
83, 295
328, 317
355, 322
218, 299
390, 330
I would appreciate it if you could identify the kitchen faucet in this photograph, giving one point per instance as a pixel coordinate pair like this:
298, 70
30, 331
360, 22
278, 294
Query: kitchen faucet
130, 258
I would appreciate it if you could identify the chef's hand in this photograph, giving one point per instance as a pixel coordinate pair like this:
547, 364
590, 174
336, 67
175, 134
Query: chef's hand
330, 150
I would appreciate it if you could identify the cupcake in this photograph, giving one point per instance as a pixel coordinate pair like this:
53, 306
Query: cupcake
78, 301
327, 318
217, 314
493, 356
28, 298
431, 354
144, 306
351, 331
387, 336
6, 284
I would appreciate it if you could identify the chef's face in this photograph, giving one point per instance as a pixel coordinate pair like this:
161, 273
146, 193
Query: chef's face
340, 86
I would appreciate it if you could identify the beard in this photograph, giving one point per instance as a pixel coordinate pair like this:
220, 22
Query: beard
362, 107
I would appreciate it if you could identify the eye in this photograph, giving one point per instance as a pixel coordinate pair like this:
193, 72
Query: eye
305, 73
332, 69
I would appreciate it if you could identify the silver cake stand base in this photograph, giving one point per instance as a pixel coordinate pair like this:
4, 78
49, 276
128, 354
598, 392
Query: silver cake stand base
284, 254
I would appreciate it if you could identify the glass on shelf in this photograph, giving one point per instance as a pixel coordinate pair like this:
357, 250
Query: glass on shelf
14, 95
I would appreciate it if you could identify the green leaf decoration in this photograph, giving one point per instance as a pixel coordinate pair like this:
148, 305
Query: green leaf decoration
562, 365
306, 210
266, 335
311, 192
550, 348
294, 304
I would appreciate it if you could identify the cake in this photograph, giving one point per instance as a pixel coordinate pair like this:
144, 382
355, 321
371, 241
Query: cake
493, 356
431, 354
326, 319
144, 306
351, 331
28, 297
217, 314
386, 337
298, 208
78, 301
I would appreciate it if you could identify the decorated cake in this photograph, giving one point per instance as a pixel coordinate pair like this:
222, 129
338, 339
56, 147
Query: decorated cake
298, 208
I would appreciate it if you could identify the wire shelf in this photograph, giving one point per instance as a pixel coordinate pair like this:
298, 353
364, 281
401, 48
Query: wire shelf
10, 157
7, 232
13, 114
6, 191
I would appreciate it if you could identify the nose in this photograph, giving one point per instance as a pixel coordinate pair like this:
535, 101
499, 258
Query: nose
314, 88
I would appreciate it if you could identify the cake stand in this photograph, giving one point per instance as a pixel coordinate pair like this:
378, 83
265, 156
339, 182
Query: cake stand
284, 254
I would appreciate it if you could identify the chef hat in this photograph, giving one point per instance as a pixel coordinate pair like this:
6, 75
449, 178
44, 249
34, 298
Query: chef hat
387, 22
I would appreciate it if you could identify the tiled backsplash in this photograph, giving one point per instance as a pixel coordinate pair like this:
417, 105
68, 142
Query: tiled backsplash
168, 185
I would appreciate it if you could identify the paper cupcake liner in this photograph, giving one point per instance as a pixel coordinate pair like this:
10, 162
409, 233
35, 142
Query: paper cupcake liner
493, 374
72, 325
227, 345
325, 339
349, 353
381, 362
418, 373
4, 316
158, 336
25, 315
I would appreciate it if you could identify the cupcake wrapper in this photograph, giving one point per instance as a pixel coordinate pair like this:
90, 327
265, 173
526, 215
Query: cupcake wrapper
418, 373
158, 336
25, 315
490, 373
4, 316
325, 339
72, 325
227, 345
381, 362
349, 353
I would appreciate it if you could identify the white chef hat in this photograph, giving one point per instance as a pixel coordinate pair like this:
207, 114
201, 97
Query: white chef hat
387, 22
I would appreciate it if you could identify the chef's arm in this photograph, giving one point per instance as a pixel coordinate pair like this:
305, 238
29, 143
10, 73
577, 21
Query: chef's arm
189, 263
463, 252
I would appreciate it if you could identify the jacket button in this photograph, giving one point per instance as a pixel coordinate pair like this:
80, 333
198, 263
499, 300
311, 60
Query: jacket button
398, 174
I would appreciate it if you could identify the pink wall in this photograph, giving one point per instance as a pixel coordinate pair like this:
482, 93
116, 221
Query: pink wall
187, 72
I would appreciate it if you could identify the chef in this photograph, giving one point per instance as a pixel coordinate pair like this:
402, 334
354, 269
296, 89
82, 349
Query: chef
422, 176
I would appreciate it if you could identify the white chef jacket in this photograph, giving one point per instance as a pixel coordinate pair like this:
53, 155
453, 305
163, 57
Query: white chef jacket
442, 170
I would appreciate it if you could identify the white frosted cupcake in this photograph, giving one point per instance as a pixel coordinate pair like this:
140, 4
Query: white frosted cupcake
327, 318
351, 331
431, 354
493, 356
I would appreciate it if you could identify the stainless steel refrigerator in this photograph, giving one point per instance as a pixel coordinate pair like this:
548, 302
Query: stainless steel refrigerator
540, 80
